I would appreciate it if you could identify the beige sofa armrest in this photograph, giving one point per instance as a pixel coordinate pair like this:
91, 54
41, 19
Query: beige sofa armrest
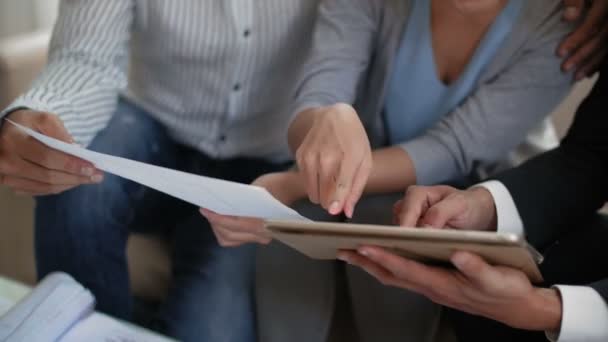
22, 57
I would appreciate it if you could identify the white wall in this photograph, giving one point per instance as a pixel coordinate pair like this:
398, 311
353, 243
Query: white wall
21, 16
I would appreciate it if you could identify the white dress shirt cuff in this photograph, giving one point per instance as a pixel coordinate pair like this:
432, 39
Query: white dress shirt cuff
584, 316
507, 215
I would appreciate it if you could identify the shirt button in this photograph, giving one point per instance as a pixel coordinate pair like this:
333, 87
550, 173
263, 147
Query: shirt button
222, 137
237, 87
246, 33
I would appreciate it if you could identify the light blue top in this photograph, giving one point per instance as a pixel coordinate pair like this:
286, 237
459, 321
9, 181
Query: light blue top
416, 97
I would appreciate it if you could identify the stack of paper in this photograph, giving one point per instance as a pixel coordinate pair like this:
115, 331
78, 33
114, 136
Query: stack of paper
60, 309
48, 312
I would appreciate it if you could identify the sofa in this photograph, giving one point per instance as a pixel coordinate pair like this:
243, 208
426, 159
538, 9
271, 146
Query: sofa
21, 58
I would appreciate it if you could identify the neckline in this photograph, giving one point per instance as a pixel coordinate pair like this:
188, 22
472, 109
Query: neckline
496, 24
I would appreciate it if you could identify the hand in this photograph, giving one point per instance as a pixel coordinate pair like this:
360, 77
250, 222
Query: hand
586, 48
499, 293
335, 158
446, 207
30, 168
232, 231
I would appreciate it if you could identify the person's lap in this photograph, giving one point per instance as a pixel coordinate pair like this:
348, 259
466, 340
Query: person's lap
395, 314
84, 232
297, 296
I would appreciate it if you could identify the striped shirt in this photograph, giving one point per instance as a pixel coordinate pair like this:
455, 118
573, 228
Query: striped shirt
219, 74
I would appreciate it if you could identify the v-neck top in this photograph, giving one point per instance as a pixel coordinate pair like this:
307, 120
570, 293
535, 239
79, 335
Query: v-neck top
417, 98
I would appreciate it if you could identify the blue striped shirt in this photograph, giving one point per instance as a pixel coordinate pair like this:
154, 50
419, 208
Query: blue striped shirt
219, 74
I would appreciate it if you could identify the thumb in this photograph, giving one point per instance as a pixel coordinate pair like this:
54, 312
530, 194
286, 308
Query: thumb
52, 126
477, 271
449, 209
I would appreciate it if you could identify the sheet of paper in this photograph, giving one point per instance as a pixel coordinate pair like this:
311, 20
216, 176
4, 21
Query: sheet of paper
223, 197
47, 312
5, 305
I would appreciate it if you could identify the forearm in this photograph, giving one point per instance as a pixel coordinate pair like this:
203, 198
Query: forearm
85, 71
393, 171
342, 45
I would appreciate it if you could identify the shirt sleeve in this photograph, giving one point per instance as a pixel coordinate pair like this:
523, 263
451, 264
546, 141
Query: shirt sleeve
584, 316
497, 117
507, 215
86, 67
341, 51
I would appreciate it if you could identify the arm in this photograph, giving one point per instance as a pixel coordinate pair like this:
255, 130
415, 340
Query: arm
569, 313
331, 147
86, 68
497, 117
73, 98
341, 51
578, 168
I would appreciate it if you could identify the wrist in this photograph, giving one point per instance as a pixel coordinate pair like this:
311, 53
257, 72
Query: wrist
547, 309
487, 217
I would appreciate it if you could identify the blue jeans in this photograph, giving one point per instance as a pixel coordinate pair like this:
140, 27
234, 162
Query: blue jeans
84, 232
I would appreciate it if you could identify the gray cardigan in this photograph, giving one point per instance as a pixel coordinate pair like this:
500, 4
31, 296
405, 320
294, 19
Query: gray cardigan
356, 42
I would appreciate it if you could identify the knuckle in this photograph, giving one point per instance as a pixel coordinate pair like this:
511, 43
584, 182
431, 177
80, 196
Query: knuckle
70, 165
43, 120
7, 166
309, 159
328, 159
47, 119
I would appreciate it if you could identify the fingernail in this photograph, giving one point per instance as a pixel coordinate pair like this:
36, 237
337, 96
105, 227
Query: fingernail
96, 178
343, 257
569, 66
563, 52
334, 208
363, 252
349, 212
87, 171
459, 259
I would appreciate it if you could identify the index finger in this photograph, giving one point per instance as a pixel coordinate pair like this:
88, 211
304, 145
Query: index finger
343, 186
418, 200
38, 153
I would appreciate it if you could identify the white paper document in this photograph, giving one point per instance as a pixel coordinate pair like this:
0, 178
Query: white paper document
46, 313
220, 196
61, 309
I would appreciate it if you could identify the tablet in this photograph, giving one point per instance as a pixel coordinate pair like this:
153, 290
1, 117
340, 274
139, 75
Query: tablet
322, 240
